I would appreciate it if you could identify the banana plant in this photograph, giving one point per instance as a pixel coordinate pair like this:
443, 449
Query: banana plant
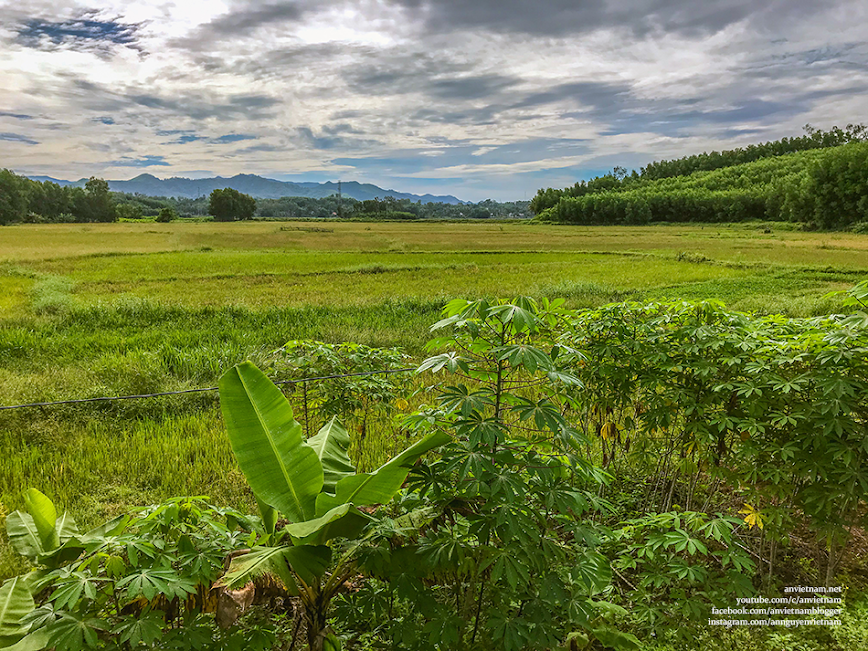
312, 484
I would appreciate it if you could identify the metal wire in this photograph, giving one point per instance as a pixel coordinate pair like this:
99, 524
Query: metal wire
203, 389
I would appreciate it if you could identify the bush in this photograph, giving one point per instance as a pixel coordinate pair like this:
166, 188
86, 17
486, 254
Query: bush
167, 215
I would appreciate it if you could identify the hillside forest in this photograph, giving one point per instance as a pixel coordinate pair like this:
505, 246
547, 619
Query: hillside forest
819, 181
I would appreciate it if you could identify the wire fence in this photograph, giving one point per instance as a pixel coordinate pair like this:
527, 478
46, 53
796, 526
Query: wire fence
302, 381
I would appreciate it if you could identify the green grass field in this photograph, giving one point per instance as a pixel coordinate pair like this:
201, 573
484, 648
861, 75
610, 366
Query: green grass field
91, 310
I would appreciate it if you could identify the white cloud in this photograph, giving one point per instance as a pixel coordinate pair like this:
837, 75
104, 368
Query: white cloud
382, 91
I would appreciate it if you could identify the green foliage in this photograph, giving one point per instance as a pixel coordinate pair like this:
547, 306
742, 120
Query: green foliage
127, 211
13, 197
674, 566
774, 407
95, 203
509, 560
24, 200
228, 205
813, 139
287, 474
359, 397
145, 578
167, 214
386, 215
834, 193
818, 180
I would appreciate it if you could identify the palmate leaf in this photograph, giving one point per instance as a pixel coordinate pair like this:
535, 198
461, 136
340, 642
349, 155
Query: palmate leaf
15, 603
522, 314
280, 467
527, 356
331, 444
71, 633
150, 582
145, 629
614, 639
105, 533
380, 486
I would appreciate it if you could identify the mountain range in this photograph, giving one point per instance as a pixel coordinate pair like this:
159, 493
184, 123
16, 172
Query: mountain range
255, 186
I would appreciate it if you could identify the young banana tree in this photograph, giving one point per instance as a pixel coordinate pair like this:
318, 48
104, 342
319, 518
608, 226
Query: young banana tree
312, 483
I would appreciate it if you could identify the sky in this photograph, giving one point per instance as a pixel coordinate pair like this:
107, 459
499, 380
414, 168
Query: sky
478, 99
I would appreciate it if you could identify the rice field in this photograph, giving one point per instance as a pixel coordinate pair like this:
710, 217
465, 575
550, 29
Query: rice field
110, 309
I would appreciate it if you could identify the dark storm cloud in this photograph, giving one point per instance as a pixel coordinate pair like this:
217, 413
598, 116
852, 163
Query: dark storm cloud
394, 73
669, 119
145, 161
453, 154
341, 127
253, 149
86, 32
14, 137
597, 99
567, 17
463, 117
243, 19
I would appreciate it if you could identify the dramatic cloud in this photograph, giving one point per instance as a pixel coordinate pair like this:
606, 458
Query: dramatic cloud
477, 99
14, 137
83, 33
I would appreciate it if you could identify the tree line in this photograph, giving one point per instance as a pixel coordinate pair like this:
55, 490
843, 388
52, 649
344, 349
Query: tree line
823, 187
29, 201
26, 200
22, 199
813, 139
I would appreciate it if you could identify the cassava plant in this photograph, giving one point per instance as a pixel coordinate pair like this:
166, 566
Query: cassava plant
354, 397
512, 562
312, 485
144, 579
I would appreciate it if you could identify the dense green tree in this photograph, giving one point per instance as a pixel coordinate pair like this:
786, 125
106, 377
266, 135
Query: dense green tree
228, 205
49, 200
94, 203
13, 197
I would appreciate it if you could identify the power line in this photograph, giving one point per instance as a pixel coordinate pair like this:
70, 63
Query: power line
200, 390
